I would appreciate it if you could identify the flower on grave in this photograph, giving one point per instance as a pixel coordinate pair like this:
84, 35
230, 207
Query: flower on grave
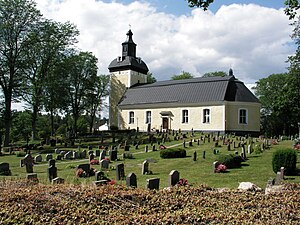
94, 162
220, 168
111, 182
182, 182
162, 147
107, 159
80, 173
274, 142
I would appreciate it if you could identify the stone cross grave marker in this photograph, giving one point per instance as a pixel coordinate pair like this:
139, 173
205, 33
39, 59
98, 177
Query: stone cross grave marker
173, 178
52, 170
131, 180
28, 163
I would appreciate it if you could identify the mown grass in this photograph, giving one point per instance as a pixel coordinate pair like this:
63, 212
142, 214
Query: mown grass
257, 169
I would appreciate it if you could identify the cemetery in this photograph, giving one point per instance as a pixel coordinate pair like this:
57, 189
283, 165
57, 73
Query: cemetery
159, 189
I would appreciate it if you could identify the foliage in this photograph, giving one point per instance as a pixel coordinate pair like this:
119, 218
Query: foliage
172, 153
20, 154
21, 203
286, 158
215, 74
21, 128
150, 78
183, 75
279, 104
230, 161
128, 155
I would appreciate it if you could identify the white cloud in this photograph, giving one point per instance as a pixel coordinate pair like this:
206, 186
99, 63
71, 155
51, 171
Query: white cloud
249, 38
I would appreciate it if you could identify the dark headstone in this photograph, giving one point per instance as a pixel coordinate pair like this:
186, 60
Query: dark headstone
152, 183
145, 167
99, 175
97, 152
173, 178
195, 156
104, 164
120, 172
131, 180
113, 155
28, 162
85, 167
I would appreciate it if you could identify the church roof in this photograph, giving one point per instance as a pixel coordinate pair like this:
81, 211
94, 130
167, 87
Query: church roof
188, 91
128, 62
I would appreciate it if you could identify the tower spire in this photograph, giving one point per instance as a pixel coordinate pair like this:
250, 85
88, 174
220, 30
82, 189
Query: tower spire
129, 47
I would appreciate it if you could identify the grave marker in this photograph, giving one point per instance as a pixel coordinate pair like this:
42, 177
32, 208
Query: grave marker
173, 178
152, 183
120, 173
145, 167
131, 180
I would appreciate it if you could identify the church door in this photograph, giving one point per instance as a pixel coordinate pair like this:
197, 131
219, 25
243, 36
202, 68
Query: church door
165, 123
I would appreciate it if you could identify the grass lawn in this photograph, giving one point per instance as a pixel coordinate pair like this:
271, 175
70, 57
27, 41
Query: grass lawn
257, 169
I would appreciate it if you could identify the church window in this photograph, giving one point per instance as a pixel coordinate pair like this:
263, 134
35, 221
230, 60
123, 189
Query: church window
185, 116
206, 115
243, 116
148, 117
131, 117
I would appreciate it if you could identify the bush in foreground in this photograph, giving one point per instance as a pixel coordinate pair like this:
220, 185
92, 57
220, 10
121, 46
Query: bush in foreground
286, 158
172, 153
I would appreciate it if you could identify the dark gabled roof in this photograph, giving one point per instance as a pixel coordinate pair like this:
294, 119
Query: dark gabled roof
128, 62
189, 91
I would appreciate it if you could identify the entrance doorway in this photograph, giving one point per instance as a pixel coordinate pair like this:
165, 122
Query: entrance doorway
165, 123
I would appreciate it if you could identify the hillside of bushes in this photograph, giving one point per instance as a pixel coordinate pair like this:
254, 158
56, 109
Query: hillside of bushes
25, 203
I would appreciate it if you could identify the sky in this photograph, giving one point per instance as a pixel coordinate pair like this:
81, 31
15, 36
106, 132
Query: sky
251, 37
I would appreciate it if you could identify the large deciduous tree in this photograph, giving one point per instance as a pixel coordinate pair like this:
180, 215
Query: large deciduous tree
17, 19
80, 71
48, 42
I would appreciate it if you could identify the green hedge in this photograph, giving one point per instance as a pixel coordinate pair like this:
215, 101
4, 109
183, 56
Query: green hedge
230, 161
286, 158
172, 153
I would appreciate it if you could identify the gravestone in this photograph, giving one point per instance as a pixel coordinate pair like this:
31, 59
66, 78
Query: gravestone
97, 153
52, 170
244, 152
102, 155
215, 165
120, 173
249, 149
91, 156
127, 147
228, 146
104, 164
85, 167
48, 157
145, 167
153, 148
32, 177
57, 151
58, 180
191, 143
68, 155
58, 157
113, 155
83, 154
4, 169
198, 142
203, 156
152, 183
146, 148
195, 156
90, 152
131, 180
99, 175
28, 163
38, 158
184, 144
173, 178
75, 155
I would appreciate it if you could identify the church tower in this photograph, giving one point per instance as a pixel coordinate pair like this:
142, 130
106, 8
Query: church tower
126, 71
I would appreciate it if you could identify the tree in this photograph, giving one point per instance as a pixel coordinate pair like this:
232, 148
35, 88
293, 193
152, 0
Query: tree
150, 78
278, 108
80, 71
215, 74
291, 6
95, 98
183, 75
48, 41
17, 20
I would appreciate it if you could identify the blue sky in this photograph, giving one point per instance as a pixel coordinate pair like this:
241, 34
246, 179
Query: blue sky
179, 7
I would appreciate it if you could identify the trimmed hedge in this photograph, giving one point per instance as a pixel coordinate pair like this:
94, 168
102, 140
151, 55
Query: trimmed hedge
230, 161
286, 158
172, 153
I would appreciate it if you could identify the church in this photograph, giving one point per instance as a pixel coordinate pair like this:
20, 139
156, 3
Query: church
211, 104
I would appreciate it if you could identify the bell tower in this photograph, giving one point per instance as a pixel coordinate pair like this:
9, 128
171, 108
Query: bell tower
126, 71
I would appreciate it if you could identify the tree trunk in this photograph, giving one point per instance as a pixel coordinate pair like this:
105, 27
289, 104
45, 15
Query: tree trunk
34, 119
52, 122
7, 120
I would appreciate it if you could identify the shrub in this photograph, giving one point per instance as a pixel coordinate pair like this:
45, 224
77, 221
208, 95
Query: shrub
230, 161
286, 158
128, 155
20, 154
172, 153
257, 149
